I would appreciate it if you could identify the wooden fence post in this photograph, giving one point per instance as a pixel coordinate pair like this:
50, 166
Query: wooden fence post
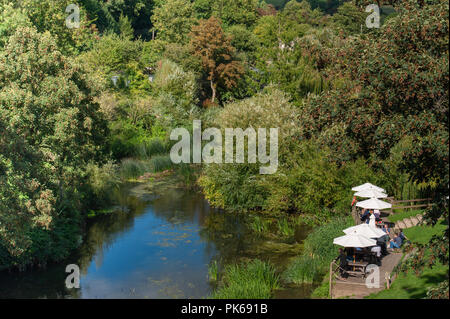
331, 281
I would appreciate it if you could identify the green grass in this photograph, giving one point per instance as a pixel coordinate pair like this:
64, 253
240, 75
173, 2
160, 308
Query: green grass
285, 229
409, 285
319, 251
253, 280
303, 270
150, 148
259, 225
213, 271
159, 163
323, 291
132, 168
402, 214
423, 233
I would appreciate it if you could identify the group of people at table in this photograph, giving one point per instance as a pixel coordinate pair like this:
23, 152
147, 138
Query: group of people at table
391, 241
395, 240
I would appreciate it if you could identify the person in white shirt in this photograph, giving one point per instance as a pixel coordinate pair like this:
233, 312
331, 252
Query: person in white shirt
377, 251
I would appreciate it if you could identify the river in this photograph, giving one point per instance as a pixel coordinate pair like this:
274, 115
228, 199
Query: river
155, 246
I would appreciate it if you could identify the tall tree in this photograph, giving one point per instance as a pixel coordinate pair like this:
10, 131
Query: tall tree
52, 130
173, 20
213, 47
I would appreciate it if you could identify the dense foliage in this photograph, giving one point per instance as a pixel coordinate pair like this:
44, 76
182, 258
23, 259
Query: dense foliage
82, 108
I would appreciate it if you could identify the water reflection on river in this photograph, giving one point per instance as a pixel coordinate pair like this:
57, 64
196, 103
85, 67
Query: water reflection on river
153, 247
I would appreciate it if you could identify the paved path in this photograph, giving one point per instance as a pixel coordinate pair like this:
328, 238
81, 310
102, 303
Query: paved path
355, 288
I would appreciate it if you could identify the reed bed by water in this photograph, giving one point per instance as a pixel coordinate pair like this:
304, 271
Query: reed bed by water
213, 271
253, 280
319, 251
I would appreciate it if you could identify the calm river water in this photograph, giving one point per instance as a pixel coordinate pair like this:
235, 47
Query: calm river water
154, 247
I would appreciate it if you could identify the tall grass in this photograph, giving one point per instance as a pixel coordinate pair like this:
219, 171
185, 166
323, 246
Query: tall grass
132, 168
303, 270
254, 280
259, 225
285, 228
319, 251
150, 148
213, 271
160, 163
189, 173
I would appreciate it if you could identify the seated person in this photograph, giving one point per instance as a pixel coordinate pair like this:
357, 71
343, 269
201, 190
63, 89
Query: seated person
364, 215
342, 263
396, 242
377, 214
382, 243
377, 251
386, 229
368, 217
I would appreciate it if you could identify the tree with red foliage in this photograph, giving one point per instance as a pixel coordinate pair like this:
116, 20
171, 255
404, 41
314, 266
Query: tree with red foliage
213, 47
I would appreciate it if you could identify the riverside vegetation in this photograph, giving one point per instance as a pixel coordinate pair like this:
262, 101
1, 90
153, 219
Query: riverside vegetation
352, 105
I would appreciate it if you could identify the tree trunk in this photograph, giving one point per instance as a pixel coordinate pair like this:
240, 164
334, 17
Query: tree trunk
213, 88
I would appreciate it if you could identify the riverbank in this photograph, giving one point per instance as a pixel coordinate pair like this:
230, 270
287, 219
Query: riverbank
159, 243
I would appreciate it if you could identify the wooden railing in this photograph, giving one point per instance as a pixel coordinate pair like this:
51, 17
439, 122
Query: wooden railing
426, 203
334, 268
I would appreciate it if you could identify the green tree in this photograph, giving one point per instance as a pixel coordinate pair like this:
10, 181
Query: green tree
11, 18
234, 12
138, 12
126, 30
173, 20
50, 15
394, 97
349, 18
47, 101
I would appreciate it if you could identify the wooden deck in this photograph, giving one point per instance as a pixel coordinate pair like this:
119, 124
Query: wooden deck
355, 287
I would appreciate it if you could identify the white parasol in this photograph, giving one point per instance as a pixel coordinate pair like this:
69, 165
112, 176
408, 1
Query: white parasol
371, 193
365, 230
353, 240
374, 203
367, 186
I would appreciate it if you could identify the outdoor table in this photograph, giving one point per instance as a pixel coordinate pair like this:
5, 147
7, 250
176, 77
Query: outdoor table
359, 268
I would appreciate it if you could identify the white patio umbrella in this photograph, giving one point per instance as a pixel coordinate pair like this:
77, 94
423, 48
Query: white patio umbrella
365, 230
353, 240
371, 193
367, 186
374, 203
